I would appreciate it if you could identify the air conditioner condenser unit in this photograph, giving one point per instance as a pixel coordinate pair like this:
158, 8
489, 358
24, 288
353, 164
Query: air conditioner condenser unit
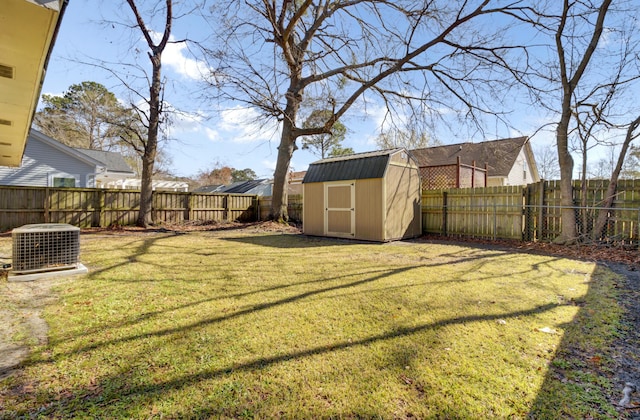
45, 247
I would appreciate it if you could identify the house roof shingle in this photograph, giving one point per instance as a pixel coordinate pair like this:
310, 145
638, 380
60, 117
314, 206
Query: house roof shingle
114, 162
500, 155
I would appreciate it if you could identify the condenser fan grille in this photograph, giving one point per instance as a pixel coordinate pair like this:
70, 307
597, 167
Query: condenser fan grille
45, 247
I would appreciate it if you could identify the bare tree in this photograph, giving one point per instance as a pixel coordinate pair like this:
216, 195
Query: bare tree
547, 162
590, 74
277, 56
570, 74
576, 28
409, 139
632, 133
151, 118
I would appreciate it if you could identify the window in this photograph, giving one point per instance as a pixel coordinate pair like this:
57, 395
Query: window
64, 182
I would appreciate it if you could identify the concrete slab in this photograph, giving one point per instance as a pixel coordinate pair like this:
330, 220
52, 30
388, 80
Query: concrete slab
80, 269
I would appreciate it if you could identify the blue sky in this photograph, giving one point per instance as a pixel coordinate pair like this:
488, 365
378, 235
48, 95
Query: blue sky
204, 134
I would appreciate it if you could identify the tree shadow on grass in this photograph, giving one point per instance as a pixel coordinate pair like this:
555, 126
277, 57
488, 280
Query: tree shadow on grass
296, 241
110, 390
580, 382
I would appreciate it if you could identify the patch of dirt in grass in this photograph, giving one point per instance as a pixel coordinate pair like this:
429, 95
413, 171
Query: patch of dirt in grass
22, 325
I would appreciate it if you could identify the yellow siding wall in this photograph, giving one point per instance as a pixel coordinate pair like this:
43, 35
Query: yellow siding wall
313, 209
369, 210
402, 203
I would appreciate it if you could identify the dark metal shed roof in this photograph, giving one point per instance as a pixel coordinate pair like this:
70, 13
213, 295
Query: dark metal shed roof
357, 166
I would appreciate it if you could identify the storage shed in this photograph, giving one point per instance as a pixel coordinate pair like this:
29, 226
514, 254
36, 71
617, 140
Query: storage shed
372, 196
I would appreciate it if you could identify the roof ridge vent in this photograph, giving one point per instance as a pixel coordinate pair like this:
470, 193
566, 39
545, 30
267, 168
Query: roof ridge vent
6, 71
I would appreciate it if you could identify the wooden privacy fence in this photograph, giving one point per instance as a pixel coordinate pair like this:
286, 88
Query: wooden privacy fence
90, 207
531, 212
494, 212
294, 207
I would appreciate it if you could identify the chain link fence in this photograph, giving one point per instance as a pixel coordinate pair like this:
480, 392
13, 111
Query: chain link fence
620, 225
532, 222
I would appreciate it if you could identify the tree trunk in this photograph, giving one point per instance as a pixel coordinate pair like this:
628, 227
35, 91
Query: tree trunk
603, 215
149, 157
279, 197
567, 211
286, 148
569, 84
146, 192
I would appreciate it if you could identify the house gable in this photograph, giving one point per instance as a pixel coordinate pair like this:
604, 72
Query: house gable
507, 159
44, 160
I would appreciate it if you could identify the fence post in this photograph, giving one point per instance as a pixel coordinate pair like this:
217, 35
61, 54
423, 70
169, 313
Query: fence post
473, 173
101, 204
256, 207
153, 200
190, 206
444, 212
540, 210
47, 204
495, 218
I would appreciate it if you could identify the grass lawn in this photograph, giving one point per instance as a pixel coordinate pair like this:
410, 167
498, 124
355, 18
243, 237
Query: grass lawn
253, 325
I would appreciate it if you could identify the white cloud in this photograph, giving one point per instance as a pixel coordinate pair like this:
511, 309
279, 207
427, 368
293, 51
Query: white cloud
212, 134
175, 56
244, 125
186, 121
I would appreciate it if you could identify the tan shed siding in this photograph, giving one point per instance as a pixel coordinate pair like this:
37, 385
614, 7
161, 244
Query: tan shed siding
369, 208
313, 209
403, 203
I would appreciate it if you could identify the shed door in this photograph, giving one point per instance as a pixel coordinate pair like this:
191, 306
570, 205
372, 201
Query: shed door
340, 214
